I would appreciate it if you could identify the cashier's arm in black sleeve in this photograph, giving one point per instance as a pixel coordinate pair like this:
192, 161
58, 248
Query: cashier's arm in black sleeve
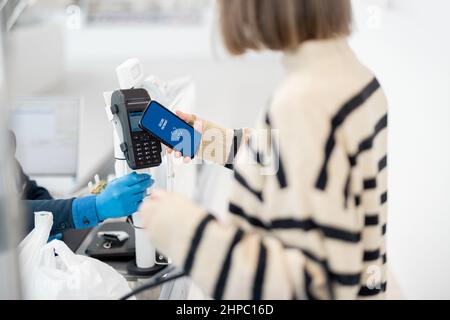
67, 214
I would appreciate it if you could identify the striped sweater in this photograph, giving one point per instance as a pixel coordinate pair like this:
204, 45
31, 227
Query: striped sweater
308, 208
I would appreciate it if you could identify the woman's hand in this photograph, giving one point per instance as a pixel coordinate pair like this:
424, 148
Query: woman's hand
216, 140
162, 213
153, 206
198, 125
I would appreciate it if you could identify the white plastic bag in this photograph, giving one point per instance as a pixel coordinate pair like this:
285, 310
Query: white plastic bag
52, 271
29, 248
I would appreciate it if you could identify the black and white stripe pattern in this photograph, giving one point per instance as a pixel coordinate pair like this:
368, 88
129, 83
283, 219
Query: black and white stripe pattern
338, 120
315, 228
330, 232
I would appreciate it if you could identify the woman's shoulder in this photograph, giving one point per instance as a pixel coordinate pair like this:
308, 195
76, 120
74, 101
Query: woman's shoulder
321, 91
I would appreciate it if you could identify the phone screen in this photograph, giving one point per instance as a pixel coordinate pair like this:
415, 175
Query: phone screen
170, 129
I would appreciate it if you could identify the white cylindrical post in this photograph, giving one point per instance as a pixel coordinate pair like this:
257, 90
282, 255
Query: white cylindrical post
145, 252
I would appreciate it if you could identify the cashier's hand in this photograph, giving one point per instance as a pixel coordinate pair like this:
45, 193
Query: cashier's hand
123, 196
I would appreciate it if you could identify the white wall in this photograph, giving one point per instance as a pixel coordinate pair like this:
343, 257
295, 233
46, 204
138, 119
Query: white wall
41, 69
410, 53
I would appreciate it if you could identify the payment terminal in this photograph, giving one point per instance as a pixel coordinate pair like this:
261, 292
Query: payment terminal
140, 148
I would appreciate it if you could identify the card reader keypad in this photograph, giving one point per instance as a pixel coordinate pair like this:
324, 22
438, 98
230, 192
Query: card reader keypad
147, 150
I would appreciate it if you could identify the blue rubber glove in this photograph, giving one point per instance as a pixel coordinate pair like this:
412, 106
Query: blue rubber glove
123, 196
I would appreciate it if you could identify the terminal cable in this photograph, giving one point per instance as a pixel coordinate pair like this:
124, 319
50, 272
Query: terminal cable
159, 279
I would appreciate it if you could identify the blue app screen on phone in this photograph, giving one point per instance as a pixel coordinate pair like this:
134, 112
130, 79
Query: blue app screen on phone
170, 129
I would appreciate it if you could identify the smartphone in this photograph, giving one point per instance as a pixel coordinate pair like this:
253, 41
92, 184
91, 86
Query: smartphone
170, 129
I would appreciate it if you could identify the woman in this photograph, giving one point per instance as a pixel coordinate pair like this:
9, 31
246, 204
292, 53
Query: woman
308, 206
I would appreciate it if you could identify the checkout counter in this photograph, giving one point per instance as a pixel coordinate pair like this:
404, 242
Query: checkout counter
79, 241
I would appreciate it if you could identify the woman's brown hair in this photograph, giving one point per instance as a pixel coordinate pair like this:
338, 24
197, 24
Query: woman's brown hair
281, 24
